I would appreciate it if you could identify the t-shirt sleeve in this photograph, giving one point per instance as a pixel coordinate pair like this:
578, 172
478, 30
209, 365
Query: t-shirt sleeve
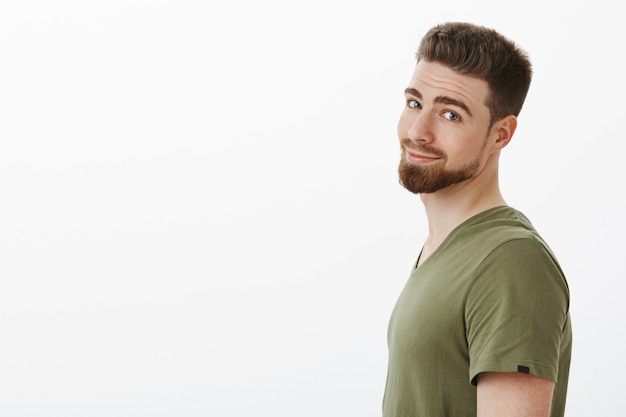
516, 311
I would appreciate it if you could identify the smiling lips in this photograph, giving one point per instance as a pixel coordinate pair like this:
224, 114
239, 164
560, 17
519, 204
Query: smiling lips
419, 158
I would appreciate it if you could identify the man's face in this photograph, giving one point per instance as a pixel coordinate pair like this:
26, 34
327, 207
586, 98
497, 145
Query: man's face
443, 129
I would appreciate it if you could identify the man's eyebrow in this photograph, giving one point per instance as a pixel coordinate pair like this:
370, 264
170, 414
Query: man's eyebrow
440, 99
453, 102
413, 92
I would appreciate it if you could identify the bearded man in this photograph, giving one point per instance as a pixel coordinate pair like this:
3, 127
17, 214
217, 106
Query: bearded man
482, 326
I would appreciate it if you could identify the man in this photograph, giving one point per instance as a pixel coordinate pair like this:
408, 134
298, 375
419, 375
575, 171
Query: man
482, 326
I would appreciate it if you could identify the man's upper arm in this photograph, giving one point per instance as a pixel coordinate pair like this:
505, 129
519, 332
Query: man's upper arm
513, 394
517, 312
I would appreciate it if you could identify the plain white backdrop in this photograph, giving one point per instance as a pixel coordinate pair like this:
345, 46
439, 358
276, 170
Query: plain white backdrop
199, 206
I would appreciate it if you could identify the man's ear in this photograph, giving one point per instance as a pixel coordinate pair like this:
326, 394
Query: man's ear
503, 131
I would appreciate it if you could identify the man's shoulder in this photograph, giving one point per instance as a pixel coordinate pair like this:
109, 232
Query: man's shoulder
498, 224
503, 228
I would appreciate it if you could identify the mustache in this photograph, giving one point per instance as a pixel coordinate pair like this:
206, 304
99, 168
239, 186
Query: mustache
424, 149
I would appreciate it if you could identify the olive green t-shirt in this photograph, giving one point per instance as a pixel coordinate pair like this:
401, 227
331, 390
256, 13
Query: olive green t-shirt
492, 297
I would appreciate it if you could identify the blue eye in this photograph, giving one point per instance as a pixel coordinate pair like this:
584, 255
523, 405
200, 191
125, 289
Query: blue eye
451, 116
413, 104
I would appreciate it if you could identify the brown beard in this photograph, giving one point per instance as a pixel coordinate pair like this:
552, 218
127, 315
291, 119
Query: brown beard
426, 179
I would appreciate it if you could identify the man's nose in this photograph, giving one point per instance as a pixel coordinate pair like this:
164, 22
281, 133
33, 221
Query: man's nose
420, 127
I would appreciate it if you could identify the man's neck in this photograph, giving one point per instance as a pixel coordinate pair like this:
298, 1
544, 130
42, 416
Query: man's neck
448, 208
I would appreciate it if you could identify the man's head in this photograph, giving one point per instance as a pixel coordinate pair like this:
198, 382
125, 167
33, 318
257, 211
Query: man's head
482, 53
461, 109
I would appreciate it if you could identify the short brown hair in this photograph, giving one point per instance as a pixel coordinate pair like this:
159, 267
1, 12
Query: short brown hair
485, 54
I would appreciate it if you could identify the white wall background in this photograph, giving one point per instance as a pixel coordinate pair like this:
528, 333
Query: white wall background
199, 210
